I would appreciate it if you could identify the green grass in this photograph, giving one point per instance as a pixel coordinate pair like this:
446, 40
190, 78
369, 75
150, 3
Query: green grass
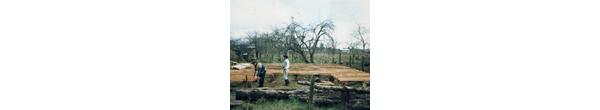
286, 104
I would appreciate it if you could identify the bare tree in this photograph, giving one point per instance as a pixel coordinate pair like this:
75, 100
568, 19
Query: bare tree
362, 35
323, 29
294, 39
305, 39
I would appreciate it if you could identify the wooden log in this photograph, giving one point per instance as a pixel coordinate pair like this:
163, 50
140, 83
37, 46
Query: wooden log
336, 88
355, 79
267, 93
320, 97
351, 75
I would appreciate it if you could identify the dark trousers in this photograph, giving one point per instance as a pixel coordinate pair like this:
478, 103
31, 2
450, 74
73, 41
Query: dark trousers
262, 78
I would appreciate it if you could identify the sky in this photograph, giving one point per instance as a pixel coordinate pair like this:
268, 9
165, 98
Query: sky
261, 15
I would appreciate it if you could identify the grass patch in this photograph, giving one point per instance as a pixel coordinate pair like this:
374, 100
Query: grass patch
287, 104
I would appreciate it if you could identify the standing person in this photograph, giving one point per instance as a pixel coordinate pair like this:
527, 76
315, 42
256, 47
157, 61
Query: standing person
286, 69
253, 54
260, 70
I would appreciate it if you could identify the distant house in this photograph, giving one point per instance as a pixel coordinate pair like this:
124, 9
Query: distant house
345, 50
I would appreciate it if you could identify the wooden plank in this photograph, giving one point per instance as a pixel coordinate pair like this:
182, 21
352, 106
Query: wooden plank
277, 71
358, 73
355, 79
241, 78
241, 74
250, 79
304, 69
300, 72
343, 71
353, 76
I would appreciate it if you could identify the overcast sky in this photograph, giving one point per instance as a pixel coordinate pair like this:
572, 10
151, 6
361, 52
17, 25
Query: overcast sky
261, 15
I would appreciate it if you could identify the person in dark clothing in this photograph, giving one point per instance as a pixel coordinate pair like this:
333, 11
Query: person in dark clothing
260, 70
253, 55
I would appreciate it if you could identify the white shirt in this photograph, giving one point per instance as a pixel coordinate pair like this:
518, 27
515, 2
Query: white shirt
287, 66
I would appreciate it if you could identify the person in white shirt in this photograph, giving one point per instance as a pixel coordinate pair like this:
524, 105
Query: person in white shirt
286, 69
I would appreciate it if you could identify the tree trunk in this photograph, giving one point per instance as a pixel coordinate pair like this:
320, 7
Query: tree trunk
272, 58
304, 58
279, 54
311, 58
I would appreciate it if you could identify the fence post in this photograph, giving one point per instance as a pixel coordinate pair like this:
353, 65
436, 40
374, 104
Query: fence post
351, 56
362, 63
333, 58
340, 58
311, 93
248, 82
296, 78
348, 61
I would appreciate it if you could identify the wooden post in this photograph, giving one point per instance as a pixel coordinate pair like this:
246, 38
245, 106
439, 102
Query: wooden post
272, 77
345, 94
333, 58
248, 82
311, 93
364, 84
362, 63
351, 55
340, 59
296, 78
